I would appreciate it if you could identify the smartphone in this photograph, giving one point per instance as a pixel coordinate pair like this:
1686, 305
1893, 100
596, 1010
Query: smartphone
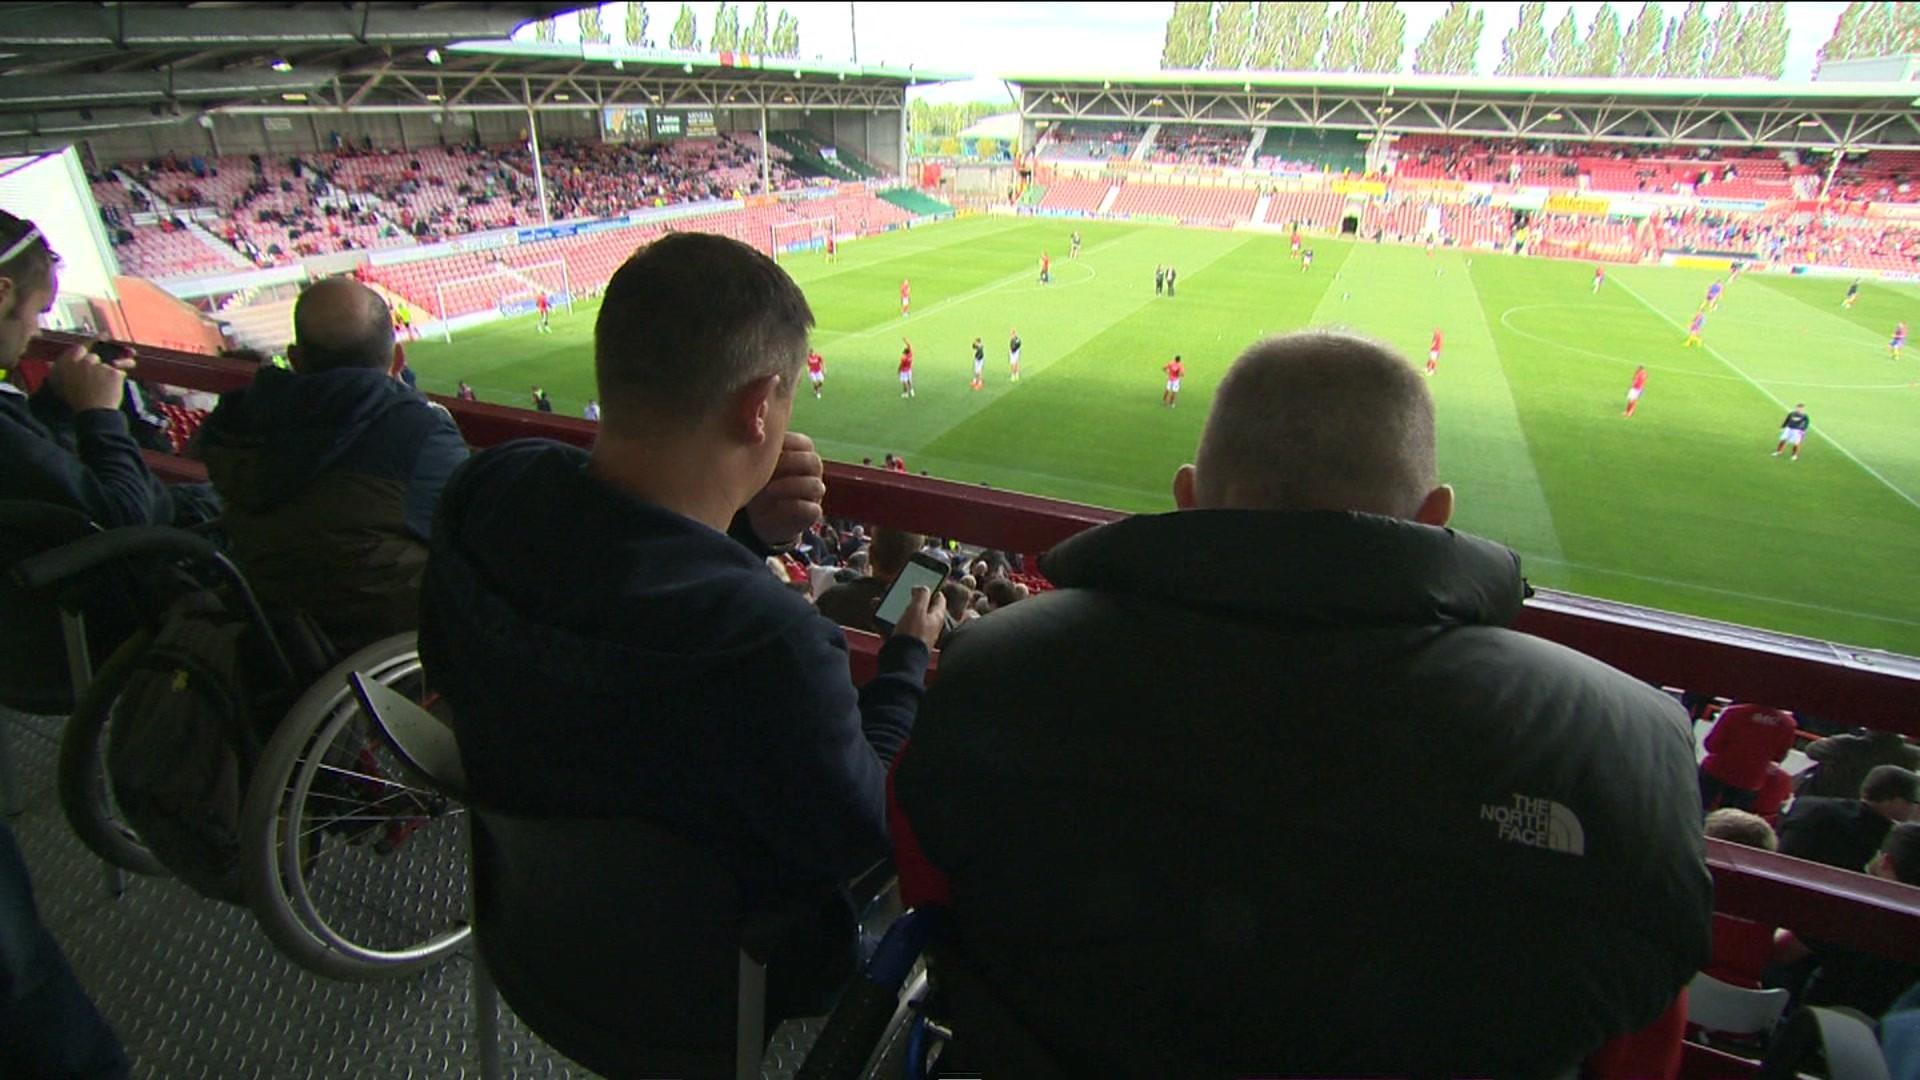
923, 570
110, 351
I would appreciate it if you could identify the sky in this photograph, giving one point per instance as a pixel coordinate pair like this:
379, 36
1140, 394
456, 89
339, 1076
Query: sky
993, 40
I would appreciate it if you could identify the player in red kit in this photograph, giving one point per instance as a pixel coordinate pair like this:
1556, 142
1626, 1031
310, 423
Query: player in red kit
906, 369
1633, 392
833, 249
906, 296
1174, 370
1433, 352
1046, 268
816, 371
1599, 277
546, 314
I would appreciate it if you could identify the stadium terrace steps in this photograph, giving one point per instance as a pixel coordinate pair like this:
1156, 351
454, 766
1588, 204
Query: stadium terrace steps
1071, 193
914, 202
807, 159
1146, 143
1190, 205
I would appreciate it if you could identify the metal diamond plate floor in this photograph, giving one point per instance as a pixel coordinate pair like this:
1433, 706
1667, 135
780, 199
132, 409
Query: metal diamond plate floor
196, 990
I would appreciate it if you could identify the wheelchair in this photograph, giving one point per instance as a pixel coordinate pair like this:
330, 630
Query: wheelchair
351, 871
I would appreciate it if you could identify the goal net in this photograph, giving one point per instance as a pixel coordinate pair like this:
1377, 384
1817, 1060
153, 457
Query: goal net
807, 234
506, 290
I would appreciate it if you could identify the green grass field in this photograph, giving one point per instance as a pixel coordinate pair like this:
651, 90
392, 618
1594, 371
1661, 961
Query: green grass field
1681, 507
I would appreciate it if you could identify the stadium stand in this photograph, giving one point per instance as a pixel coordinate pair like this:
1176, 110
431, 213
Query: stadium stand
1090, 141
1309, 209
1199, 145
1191, 205
1066, 193
808, 157
1292, 149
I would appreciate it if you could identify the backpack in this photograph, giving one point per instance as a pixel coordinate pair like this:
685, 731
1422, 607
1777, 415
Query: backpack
197, 709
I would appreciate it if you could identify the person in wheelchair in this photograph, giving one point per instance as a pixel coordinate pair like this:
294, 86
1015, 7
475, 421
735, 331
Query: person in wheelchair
330, 472
1309, 807
70, 443
612, 645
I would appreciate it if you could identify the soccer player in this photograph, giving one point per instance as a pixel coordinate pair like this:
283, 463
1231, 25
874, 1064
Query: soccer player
979, 363
1639, 387
816, 372
592, 411
1696, 328
1013, 353
1899, 341
1713, 295
466, 392
1073, 245
405, 315
1171, 274
1174, 370
1306, 260
906, 296
833, 249
1046, 268
1793, 430
1853, 293
1296, 241
1433, 351
906, 369
1599, 277
1159, 280
546, 313
541, 401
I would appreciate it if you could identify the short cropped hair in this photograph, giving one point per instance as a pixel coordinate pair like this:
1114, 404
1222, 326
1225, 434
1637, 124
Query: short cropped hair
1902, 849
1885, 782
1319, 420
1741, 827
340, 323
31, 267
690, 319
891, 550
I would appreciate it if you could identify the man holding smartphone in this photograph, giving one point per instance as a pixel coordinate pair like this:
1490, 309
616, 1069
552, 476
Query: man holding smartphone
70, 444
641, 661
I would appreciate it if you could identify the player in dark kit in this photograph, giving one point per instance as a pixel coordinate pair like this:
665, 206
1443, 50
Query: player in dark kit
1171, 274
1853, 293
1306, 261
979, 363
1073, 245
1013, 353
1793, 430
1159, 280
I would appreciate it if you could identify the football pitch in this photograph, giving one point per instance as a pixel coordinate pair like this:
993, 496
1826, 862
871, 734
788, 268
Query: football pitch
1680, 507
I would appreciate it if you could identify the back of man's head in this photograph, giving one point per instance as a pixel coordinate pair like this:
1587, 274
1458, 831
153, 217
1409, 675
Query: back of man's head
340, 323
1901, 850
1889, 783
1741, 827
1318, 420
891, 550
687, 321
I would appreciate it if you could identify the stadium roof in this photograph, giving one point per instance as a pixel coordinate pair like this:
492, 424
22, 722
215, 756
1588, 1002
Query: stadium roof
1702, 112
1503, 85
499, 75
70, 68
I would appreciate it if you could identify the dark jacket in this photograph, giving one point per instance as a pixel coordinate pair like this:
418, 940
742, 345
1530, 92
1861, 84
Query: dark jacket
606, 657
1845, 761
1844, 833
852, 603
1258, 793
86, 460
330, 482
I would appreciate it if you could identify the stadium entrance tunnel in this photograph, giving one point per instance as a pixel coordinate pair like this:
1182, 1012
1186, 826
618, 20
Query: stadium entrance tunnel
1350, 224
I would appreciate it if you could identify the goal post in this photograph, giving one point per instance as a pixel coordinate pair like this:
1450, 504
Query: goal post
806, 234
508, 290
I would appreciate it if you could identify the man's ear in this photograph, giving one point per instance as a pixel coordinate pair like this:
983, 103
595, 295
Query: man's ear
294, 359
9, 295
1437, 508
395, 361
752, 405
1184, 479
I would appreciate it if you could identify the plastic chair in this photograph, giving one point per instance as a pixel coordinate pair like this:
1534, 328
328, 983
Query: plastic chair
1843, 1038
586, 926
1732, 1010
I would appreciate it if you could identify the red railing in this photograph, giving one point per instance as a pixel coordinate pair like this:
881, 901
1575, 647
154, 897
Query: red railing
1836, 683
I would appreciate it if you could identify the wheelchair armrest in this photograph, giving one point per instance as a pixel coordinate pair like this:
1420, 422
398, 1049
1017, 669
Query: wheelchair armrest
54, 568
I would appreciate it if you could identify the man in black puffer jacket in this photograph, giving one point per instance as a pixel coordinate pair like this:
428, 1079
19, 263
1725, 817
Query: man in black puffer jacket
331, 472
1267, 788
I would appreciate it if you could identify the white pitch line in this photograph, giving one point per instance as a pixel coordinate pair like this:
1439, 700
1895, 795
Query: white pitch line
1697, 587
1735, 368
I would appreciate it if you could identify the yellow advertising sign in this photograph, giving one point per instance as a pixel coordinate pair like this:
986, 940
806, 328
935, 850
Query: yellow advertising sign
1577, 204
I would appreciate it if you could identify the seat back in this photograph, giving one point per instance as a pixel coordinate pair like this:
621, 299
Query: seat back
619, 942
35, 674
1732, 1010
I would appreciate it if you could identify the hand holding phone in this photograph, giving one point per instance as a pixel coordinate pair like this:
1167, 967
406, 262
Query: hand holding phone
901, 612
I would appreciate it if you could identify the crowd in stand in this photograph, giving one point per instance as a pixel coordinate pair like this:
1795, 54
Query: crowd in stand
1200, 145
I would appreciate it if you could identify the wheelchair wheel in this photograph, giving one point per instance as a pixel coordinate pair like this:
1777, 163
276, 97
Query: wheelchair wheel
85, 795
354, 868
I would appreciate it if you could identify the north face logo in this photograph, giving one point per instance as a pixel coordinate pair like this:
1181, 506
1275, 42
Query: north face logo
1540, 823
